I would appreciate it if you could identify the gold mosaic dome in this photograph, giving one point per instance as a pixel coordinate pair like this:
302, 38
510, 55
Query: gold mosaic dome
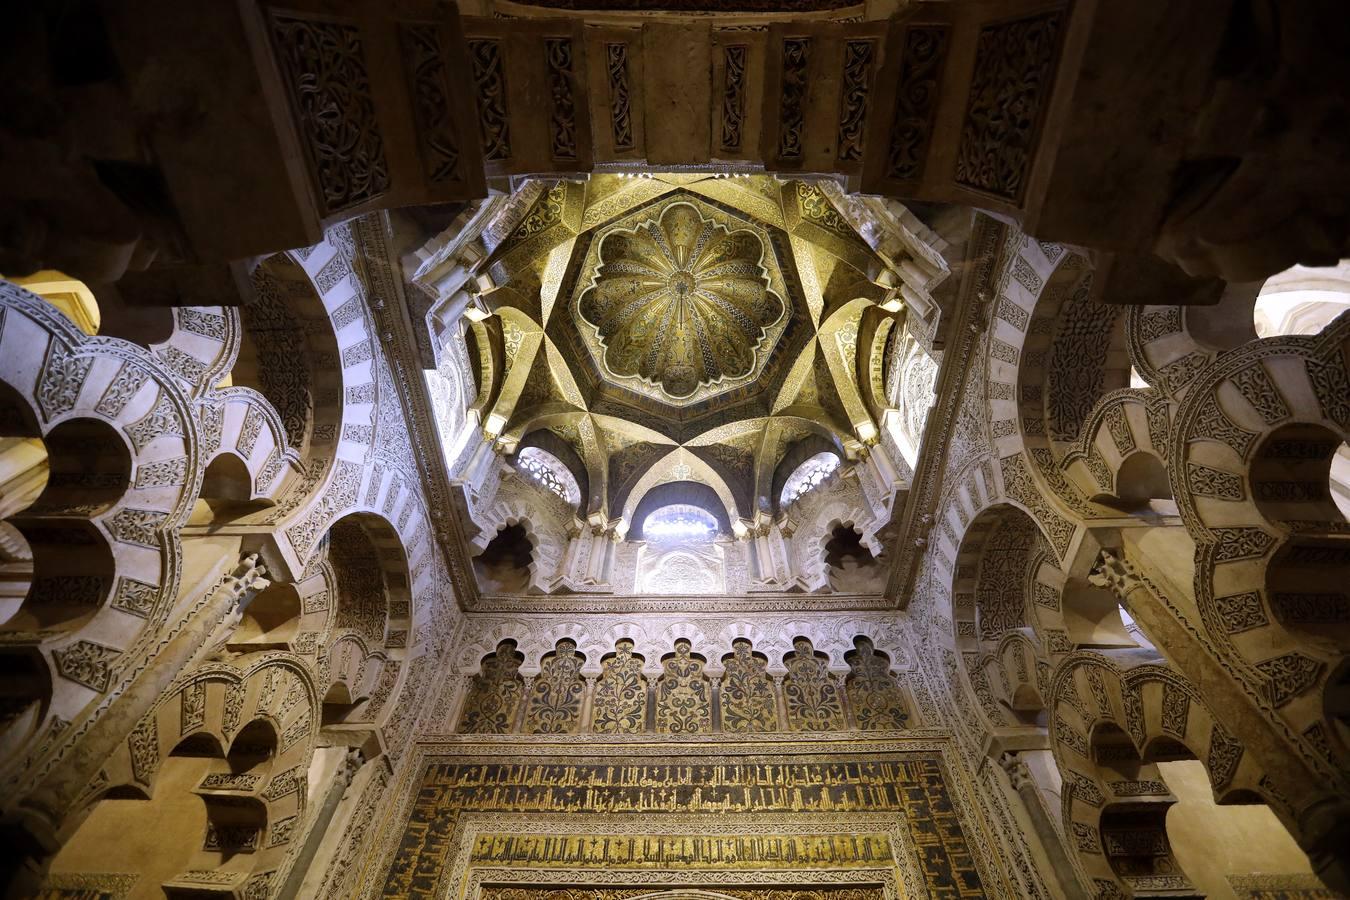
682, 302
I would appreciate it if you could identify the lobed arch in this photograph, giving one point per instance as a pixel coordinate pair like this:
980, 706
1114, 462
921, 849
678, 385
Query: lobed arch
814, 519
1169, 345
311, 327
243, 423
1120, 457
245, 730
202, 344
1110, 721
511, 507
284, 332
1016, 611
1059, 376
997, 570
123, 451
595, 640
357, 680
1256, 433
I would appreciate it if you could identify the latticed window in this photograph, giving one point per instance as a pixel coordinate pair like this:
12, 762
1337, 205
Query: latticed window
680, 522
808, 476
548, 470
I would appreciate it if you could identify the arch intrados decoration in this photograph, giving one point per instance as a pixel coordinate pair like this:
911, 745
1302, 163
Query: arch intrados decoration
875, 340
380, 540
485, 350
57, 374
322, 296
698, 472
969, 568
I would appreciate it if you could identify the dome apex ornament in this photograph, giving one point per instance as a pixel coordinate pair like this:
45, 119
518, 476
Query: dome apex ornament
682, 303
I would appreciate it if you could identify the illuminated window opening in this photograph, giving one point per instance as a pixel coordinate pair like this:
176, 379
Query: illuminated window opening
809, 476
680, 522
546, 469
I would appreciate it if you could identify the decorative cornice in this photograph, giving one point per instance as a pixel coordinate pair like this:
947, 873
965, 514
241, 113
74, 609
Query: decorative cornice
645, 603
977, 289
395, 332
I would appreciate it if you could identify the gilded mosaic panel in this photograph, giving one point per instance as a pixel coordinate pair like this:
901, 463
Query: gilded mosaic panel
863, 803
621, 693
813, 702
555, 698
747, 692
683, 700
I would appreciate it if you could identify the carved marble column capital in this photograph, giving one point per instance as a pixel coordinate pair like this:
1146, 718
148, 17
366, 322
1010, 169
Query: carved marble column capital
1117, 575
1018, 772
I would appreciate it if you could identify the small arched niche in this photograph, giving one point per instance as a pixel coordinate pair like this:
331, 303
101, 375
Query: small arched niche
227, 493
851, 566
504, 565
1142, 486
270, 620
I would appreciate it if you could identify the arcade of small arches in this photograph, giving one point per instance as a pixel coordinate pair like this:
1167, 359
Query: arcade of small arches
686, 694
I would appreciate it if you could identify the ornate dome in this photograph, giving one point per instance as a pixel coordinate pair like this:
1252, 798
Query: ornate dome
682, 302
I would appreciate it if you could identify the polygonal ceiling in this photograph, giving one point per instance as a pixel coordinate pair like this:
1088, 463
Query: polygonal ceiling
684, 327
681, 301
